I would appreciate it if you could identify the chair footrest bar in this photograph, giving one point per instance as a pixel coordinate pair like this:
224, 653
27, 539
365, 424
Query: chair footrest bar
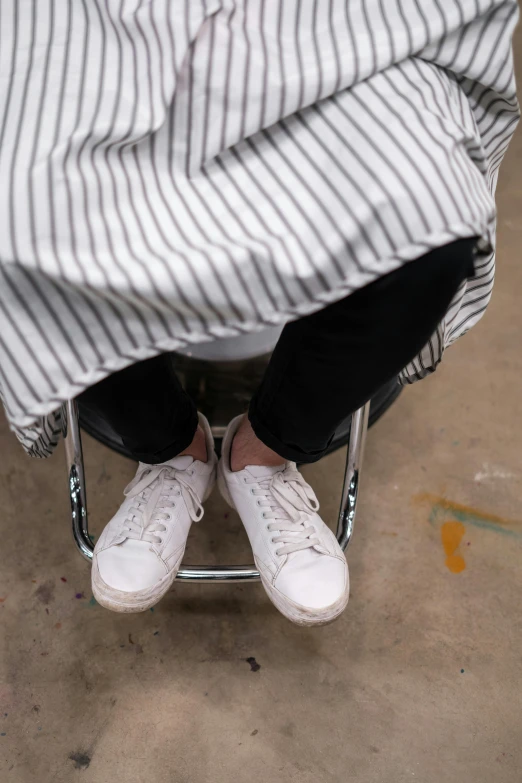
205, 574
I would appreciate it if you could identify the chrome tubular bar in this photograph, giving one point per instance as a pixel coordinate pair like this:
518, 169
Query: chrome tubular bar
233, 573
76, 478
352, 474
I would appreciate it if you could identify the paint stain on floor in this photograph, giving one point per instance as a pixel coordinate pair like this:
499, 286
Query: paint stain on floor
45, 592
443, 508
451, 534
81, 760
254, 665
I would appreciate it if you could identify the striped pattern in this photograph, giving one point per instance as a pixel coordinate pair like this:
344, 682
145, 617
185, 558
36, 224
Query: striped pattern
175, 171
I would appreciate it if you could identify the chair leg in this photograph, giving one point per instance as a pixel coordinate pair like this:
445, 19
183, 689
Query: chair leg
76, 478
352, 474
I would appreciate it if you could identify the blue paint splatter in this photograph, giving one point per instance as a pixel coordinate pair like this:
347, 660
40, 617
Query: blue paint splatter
462, 671
3, 734
152, 609
93, 601
439, 512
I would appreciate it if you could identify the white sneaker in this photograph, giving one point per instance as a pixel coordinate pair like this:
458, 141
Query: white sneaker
138, 555
302, 567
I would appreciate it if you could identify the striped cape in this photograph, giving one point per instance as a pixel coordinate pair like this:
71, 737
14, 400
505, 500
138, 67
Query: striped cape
176, 171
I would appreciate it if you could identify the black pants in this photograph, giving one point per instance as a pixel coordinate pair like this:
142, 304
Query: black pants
324, 366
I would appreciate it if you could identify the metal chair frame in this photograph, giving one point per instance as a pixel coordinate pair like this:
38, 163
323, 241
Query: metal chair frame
204, 573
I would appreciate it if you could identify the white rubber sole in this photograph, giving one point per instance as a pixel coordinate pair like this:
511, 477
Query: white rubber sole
128, 603
300, 615
140, 601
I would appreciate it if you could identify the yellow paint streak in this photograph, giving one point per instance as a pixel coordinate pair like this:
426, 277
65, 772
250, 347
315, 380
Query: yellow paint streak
450, 505
451, 535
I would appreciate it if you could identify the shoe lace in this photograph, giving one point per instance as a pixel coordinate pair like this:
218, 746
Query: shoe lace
153, 491
289, 500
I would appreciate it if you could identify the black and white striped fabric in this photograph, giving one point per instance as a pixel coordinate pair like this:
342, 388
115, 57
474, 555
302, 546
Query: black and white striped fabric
176, 171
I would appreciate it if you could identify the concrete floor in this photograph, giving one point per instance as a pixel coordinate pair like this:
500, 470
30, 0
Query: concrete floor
419, 680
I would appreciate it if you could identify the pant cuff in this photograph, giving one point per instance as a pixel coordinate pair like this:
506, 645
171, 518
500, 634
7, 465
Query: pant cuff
288, 451
182, 442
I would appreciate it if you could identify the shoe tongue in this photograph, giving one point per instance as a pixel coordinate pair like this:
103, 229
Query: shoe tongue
263, 471
180, 463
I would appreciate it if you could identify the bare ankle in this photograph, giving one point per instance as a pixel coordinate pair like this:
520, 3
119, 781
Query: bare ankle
247, 449
198, 447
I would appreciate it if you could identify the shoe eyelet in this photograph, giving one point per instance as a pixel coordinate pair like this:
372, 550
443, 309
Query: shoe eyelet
251, 490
